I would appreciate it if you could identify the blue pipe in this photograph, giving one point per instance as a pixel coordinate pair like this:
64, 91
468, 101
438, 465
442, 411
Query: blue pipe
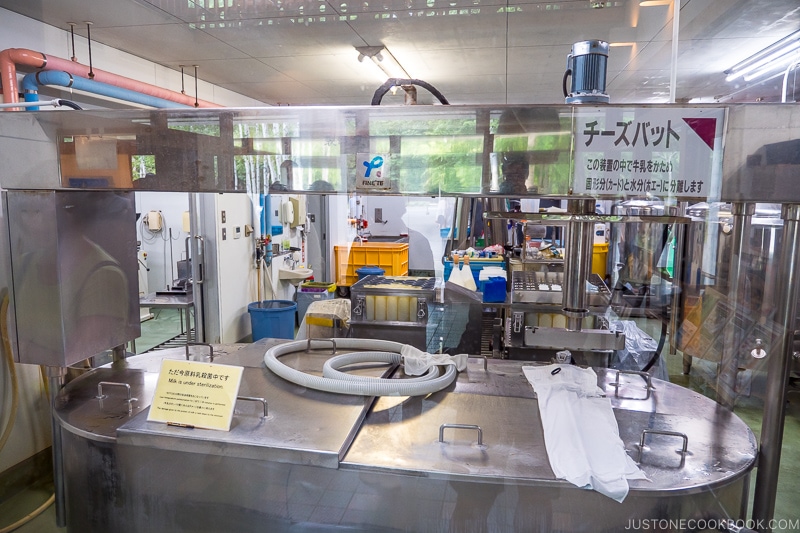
30, 87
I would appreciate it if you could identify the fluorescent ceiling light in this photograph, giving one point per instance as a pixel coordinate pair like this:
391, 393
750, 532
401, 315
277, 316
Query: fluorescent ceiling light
650, 3
384, 62
774, 56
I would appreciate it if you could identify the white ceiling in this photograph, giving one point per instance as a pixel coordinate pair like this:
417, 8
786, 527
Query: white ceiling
302, 52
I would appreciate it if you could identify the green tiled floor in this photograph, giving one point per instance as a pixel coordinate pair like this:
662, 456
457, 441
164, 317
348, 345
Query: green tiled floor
165, 325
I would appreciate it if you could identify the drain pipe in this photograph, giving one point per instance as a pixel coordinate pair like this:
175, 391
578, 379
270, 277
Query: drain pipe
11, 57
31, 82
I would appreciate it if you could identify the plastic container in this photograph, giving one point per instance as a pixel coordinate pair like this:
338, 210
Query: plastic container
272, 319
494, 290
599, 255
392, 257
310, 292
365, 271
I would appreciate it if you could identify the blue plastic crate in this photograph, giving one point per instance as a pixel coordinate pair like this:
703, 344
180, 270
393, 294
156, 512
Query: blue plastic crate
475, 265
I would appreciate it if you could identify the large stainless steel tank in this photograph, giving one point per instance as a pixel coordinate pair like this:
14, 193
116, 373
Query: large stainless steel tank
325, 462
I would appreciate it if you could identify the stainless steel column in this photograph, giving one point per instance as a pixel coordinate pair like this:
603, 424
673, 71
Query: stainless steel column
496, 228
778, 366
55, 378
578, 260
732, 341
679, 235
460, 226
197, 259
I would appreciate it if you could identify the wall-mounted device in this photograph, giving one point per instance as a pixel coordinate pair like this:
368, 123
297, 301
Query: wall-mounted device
154, 220
298, 212
287, 213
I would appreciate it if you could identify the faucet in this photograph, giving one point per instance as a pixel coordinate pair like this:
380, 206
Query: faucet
290, 260
290, 257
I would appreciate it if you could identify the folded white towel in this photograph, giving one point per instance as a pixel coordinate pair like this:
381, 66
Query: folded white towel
580, 432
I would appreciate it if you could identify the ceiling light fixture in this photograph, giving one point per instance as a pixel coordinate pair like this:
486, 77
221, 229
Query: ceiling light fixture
382, 58
774, 56
651, 3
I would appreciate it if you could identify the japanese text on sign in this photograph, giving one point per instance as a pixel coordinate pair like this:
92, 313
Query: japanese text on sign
197, 395
626, 135
640, 185
673, 151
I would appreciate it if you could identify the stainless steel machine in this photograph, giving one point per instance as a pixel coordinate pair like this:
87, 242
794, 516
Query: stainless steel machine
394, 308
472, 455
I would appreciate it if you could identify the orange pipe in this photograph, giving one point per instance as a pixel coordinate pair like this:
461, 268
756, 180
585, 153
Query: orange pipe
11, 57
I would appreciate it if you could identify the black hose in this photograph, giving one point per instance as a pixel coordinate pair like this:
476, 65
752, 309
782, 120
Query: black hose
68, 103
564, 81
657, 353
399, 82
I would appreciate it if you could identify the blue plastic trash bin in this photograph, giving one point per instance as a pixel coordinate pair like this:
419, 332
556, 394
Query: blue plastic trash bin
272, 319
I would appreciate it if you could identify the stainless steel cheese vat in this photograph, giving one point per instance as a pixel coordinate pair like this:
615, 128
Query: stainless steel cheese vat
325, 462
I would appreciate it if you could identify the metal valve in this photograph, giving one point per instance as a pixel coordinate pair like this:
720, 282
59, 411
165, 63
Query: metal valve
759, 352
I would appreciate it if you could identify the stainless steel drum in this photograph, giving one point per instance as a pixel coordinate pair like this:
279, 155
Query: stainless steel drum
637, 247
325, 462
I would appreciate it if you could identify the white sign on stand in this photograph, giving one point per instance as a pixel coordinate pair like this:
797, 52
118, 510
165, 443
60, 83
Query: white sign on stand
372, 172
662, 152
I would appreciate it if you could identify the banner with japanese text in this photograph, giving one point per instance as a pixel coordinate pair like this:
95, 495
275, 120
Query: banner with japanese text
654, 152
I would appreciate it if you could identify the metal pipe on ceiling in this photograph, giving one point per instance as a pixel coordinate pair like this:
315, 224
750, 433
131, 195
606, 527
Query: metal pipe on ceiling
31, 82
11, 57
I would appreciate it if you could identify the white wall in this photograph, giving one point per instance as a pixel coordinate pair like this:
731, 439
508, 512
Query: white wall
31, 432
167, 246
235, 266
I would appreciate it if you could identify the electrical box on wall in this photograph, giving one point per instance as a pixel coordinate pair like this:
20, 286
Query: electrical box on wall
299, 207
287, 212
154, 220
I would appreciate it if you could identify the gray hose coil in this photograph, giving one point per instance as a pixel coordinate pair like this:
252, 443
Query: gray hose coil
371, 387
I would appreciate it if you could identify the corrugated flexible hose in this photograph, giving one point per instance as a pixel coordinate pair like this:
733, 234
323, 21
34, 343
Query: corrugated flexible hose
342, 383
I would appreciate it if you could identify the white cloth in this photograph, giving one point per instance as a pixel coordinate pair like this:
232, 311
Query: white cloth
416, 362
580, 432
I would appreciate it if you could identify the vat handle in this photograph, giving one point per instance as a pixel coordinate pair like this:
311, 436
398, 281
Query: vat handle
667, 433
100, 396
332, 341
648, 386
461, 426
210, 349
254, 399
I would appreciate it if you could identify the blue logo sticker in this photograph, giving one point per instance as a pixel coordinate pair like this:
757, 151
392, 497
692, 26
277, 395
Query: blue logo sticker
377, 162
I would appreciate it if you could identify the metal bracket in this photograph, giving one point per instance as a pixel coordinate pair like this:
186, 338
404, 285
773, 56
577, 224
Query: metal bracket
358, 309
422, 308
517, 324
